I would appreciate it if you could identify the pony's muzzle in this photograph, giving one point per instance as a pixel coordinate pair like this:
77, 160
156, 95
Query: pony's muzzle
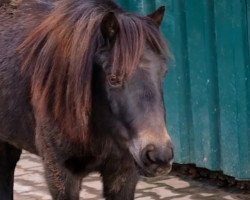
158, 159
153, 152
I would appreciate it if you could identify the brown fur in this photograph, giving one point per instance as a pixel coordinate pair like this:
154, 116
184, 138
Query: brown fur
59, 54
83, 91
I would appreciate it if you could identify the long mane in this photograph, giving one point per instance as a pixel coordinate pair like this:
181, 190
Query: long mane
58, 56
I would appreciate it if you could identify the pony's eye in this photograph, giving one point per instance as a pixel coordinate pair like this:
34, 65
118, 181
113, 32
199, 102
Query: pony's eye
114, 81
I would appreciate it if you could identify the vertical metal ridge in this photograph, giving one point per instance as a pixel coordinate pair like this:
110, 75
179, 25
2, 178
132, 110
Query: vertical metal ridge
248, 77
243, 121
185, 120
215, 108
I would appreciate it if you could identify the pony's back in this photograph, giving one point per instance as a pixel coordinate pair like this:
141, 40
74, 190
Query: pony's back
17, 22
15, 25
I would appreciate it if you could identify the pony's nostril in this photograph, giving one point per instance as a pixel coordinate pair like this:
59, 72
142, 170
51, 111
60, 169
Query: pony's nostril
157, 156
151, 156
172, 154
148, 154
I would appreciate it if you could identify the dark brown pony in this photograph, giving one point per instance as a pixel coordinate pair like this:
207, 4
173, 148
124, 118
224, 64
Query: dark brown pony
81, 86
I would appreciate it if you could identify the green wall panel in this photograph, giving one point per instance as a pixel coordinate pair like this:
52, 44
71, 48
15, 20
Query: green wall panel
207, 91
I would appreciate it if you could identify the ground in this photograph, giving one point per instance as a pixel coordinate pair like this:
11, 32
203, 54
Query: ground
30, 185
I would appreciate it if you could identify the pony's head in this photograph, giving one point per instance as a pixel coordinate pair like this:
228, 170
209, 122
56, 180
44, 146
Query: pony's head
132, 62
91, 62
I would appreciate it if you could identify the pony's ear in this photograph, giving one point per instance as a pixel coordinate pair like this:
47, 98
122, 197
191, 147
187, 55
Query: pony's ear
109, 26
158, 15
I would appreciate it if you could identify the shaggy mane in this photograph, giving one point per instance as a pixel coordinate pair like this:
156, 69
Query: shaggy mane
58, 56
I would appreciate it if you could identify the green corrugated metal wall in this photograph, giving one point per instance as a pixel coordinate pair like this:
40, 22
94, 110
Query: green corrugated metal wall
207, 91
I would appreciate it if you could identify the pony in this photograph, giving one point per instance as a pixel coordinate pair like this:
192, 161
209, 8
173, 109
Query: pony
81, 85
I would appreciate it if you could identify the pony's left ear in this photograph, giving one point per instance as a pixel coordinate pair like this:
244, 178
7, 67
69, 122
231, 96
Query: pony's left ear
158, 15
109, 26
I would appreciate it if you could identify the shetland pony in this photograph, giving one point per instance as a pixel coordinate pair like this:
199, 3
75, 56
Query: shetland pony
81, 85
